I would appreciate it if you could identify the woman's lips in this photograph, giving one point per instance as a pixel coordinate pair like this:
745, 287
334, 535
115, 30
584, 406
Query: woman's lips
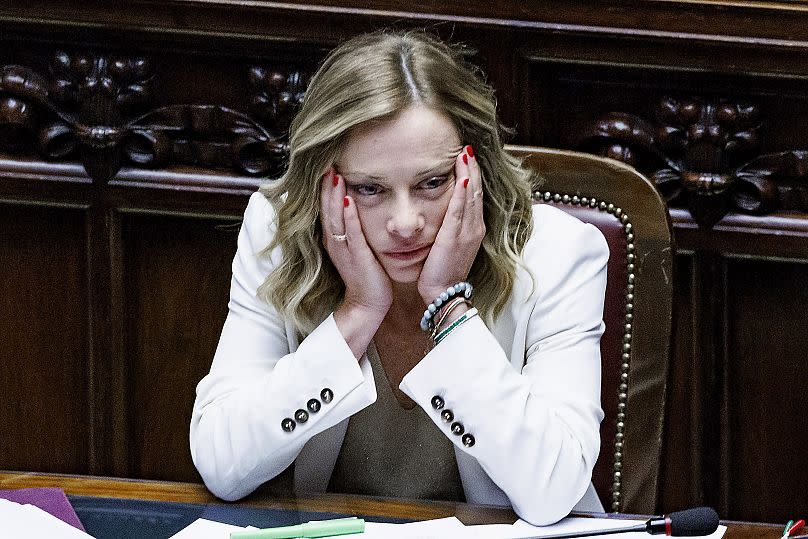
409, 255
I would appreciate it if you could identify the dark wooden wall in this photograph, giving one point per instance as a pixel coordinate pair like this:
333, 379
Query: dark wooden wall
115, 243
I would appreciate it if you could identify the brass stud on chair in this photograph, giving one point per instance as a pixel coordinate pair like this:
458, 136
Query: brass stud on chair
627, 328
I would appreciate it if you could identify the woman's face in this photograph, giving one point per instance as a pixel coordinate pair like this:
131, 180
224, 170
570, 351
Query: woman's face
400, 174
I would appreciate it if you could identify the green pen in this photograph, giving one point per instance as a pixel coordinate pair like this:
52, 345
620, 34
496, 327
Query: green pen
315, 528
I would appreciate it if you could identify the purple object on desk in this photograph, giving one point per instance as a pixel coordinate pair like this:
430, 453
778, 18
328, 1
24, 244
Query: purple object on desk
52, 500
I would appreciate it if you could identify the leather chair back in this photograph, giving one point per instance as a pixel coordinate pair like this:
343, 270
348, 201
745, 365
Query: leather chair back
635, 346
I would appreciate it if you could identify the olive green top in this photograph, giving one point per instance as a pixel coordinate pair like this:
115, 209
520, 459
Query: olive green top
394, 452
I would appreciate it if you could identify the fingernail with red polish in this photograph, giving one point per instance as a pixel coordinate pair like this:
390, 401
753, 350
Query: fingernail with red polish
465, 183
470, 150
336, 179
465, 159
346, 201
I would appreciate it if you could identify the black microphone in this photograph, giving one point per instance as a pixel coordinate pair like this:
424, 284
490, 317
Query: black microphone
687, 523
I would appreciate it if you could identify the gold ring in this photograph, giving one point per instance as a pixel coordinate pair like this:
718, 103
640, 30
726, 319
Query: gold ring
340, 237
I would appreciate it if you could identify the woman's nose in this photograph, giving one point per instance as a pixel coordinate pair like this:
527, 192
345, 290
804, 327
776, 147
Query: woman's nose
406, 219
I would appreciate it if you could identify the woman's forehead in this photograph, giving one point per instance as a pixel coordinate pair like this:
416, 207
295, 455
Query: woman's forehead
419, 140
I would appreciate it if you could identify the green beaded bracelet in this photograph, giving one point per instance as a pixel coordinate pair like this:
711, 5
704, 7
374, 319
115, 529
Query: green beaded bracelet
465, 317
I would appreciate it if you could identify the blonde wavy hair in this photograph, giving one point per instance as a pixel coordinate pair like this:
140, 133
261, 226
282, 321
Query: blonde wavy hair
372, 78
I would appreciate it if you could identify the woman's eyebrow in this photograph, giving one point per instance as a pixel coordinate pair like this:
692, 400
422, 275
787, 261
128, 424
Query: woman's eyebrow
439, 166
362, 175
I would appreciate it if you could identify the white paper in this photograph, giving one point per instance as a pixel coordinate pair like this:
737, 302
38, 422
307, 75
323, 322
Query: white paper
439, 528
578, 524
30, 521
202, 528
450, 528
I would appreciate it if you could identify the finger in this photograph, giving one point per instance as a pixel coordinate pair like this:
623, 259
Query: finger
475, 173
336, 219
326, 189
474, 200
453, 219
353, 227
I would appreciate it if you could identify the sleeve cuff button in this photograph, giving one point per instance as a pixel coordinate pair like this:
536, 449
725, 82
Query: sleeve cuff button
447, 416
326, 395
313, 405
468, 440
457, 428
437, 402
302, 416
288, 424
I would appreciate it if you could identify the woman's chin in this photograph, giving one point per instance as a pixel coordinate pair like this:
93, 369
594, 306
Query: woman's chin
405, 275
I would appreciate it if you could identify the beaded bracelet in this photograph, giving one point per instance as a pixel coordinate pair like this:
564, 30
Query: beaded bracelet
463, 288
465, 317
446, 310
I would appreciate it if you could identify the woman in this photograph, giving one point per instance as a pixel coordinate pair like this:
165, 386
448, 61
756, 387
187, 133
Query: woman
397, 190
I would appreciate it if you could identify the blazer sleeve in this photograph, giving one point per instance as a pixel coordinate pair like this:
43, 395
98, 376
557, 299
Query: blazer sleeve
536, 432
256, 379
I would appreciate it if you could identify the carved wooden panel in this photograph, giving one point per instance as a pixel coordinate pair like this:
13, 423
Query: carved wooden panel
177, 285
712, 143
44, 367
763, 416
99, 109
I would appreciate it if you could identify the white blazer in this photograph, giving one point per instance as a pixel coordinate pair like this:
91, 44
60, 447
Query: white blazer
527, 388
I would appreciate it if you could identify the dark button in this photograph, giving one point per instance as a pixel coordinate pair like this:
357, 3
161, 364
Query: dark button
457, 428
288, 424
302, 416
447, 415
327, 395
468, 440
313, 405
437, 402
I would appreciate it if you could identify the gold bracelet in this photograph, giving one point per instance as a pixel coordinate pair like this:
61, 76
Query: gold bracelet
448, 309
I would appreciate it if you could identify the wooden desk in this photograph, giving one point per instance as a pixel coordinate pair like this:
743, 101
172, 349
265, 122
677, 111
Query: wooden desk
104, 487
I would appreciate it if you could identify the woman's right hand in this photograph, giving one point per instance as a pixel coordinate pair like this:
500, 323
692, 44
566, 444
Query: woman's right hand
368, 290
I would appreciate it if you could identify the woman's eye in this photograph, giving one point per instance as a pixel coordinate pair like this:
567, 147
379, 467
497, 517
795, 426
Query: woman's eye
433, 183
366, 189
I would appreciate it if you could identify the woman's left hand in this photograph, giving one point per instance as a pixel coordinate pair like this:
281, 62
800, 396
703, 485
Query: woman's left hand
460, 234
